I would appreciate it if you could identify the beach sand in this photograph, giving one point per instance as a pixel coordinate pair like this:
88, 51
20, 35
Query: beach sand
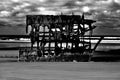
60, 71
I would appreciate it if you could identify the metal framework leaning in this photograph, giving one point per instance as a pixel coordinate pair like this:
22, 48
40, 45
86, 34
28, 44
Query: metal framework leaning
60, 36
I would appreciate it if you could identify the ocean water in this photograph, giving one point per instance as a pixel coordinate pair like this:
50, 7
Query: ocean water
9, 53
101, 47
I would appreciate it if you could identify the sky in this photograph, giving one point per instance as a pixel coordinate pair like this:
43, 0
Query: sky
105, 12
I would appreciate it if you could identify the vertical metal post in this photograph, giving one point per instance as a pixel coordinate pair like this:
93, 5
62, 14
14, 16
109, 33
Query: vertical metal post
90, 35
49, 39
37, 35
66, 33
43, 41
83, 29
60, 36
55, 38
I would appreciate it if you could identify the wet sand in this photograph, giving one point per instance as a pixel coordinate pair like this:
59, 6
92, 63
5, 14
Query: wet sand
60, 71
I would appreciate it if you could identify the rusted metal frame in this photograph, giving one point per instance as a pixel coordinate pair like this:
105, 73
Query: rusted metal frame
49, 41
43, 47
90, 34
101, 38
60, 36
38, 42
32, 36
82, 35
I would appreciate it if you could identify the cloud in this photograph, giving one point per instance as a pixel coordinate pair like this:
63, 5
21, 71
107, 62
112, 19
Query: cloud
13, 12
5, 13
15, 0
114, 6
109, 21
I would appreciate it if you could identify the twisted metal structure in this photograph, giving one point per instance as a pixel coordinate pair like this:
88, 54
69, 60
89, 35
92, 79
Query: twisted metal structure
60, 35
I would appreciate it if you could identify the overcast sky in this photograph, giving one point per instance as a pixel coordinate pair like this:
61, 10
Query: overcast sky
106, 12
